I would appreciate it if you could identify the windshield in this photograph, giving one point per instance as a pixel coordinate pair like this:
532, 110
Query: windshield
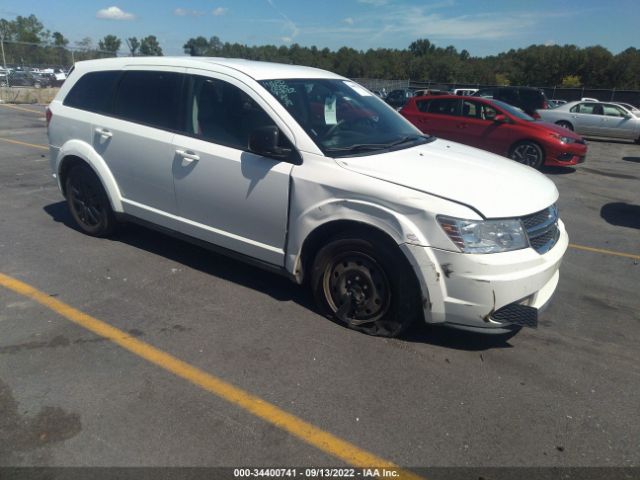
343, 118
515, 111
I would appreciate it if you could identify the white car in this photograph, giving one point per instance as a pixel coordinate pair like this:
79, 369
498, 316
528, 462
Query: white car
308, 174
597, 119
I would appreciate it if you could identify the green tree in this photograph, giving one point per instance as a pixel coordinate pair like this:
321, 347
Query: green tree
110, 43
133, 44
149, 46
28, 29
571, 81
85, 44
59, 40
501, 79
196, 47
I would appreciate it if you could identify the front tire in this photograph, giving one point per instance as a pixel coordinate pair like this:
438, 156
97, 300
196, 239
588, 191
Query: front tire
528, 153
366, 285
88, 202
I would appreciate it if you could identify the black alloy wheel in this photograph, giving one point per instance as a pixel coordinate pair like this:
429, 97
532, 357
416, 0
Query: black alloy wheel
88, 202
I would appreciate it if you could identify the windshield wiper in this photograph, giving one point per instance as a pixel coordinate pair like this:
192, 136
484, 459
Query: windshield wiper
360, 147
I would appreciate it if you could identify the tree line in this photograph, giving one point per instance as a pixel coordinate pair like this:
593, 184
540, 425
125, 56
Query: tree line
539, 65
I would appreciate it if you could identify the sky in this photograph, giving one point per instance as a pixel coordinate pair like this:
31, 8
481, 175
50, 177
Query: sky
483, 27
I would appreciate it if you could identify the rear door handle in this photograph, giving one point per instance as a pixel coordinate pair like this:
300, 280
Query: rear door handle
103, 132
188, 156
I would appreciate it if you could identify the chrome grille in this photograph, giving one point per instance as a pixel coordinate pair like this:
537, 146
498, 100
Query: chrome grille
542, 229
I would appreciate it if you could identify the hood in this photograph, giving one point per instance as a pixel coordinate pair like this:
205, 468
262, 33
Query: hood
495, 186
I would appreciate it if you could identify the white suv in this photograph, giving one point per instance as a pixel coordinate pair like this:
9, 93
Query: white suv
307, 173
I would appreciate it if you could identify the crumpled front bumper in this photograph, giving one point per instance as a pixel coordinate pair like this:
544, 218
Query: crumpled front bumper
467, 291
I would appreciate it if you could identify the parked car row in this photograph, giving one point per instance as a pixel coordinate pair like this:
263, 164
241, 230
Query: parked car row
32, 77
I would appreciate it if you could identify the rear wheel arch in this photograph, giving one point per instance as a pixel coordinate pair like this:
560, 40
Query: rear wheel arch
78, 153
565, 124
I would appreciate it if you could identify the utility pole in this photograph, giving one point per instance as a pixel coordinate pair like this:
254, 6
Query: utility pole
4, 62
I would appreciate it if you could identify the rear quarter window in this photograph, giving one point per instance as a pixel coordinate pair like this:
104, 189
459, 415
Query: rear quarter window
93, 91
151, 98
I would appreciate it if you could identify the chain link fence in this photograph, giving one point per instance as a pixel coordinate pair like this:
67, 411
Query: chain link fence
561, 93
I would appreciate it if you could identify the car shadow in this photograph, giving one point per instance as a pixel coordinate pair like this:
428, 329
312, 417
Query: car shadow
276, 286
631, 159
621, 214
608, 140
442, 336
558, 170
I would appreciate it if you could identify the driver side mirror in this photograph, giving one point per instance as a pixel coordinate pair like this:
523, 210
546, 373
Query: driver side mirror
500, 119
264, 141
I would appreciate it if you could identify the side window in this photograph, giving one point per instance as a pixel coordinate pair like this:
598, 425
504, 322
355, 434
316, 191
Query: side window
150, 98
487, 112
93, 92
443, 106
222, 113
590, 108
423, 105
471, 109
575, 108
613, 111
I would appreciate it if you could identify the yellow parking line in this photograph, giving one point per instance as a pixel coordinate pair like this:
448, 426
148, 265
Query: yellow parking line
22, 109
606, 252
18, 142
297, 427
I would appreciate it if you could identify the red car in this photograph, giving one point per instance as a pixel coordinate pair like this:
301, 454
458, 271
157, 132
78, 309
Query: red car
497, 127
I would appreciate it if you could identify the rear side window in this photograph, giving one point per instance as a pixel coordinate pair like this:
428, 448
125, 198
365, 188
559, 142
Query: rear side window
93, 92
150, 98
443, 106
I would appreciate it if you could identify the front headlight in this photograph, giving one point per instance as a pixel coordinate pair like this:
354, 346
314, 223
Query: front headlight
485, 236
563, 139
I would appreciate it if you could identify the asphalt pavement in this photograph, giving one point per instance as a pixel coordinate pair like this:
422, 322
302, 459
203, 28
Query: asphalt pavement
565, 395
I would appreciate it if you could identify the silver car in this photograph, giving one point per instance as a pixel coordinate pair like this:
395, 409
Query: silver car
599, 119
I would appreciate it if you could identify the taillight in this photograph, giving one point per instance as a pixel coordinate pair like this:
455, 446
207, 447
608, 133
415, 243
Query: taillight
48, 116
545, 105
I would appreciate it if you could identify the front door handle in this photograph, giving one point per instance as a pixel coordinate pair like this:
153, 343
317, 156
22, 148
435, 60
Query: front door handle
188, 156
104, 133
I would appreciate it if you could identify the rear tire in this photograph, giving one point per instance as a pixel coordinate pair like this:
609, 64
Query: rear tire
366, 285
565, 124
528, 153
88, 202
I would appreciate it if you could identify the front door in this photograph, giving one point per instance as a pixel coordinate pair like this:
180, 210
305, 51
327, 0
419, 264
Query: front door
225, 194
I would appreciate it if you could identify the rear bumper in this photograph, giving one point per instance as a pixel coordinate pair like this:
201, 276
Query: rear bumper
471, 291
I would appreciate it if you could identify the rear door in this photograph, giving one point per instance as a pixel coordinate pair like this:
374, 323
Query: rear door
586, 118
439, 117
136, 141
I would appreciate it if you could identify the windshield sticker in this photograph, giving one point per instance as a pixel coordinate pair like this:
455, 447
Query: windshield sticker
281, 91
330, 111
359, 89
